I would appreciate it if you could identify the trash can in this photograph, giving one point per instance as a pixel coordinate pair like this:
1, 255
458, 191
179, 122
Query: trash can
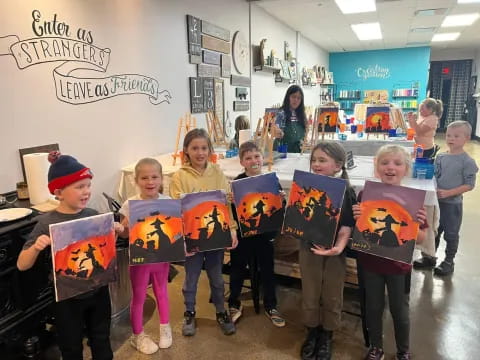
120, 290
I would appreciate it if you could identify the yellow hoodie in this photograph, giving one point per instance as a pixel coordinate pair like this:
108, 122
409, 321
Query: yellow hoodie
188, 180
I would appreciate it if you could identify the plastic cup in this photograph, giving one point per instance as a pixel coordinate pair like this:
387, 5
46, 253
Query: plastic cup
353, 129
410, 134
342, 127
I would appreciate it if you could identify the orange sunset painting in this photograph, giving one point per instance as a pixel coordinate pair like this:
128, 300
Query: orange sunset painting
314, 208
84, 255
329, 117
378, 119
258, 204
206, 221
387, 226
155, 233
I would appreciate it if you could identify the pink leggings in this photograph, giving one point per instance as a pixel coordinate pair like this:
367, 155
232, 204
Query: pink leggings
140, 277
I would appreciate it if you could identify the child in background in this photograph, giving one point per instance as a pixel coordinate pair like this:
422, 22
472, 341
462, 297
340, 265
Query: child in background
200, 175
425, 125
70, 182
455, 172
392, 164
260, 245
149, 178
241, 123
323, 270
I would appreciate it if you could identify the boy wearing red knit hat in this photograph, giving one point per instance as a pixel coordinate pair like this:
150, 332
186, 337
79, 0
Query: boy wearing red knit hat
70, 182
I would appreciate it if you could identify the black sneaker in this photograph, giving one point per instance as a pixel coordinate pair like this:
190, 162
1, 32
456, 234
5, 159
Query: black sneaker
309, 346
188, 327
444, 269
324, 347
404, 356
375, 353
226, 323
425, 263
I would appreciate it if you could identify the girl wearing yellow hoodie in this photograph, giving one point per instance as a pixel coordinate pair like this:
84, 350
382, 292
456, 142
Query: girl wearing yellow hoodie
198, 174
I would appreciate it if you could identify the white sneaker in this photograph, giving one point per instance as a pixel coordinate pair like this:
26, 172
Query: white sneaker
165, 336
143, 343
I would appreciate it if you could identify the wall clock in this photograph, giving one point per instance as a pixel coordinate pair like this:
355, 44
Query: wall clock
240, 52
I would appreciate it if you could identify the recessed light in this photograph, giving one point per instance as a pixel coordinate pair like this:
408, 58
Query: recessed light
460, 20
446, 36
368, 31
355, 6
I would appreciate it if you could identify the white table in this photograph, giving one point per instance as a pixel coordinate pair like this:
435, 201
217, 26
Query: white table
284, 168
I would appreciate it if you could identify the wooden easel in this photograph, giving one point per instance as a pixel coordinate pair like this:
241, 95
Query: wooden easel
264, 136
185, 123
215, 129
308, 145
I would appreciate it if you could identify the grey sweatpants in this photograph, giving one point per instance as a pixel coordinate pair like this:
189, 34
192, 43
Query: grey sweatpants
450, 223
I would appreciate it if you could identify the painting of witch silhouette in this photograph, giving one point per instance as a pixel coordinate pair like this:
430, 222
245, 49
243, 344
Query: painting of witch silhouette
83, 254
314, 207
377, 119
387, 227
155, 231
258, 204
206, 221
328, 116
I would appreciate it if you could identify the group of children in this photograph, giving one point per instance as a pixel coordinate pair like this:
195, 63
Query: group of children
323, 270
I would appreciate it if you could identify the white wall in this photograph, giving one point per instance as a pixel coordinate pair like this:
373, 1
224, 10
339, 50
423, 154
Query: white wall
451, 54
146, 37
265, 92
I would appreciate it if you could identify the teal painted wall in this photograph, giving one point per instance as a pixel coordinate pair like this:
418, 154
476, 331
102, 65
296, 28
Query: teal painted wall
381, 69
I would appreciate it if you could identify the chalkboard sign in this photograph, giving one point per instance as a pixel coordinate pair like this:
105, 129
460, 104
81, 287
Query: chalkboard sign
195, 59
241, 105
216, 31
211, 57
196, 95
194, 35
208, 94
238, 80
350, 162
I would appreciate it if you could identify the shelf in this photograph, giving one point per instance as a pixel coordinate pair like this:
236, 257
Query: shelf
266, 68
279, 79
396, 97
349, 98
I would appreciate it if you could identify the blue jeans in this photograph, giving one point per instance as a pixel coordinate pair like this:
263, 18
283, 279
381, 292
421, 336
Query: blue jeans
213, 266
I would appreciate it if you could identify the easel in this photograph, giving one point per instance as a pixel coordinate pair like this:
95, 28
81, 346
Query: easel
308, 145
264, 136
215, 129
185, 123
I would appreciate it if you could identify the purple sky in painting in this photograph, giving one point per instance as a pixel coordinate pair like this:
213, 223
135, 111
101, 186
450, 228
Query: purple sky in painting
63, 234
334, 187
189, 201
143, 208
266, 183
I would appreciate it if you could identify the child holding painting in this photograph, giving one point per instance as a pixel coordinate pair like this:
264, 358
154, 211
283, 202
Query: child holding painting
392, 164
70, 182
259, 245
149, 178
198, 174
323, 270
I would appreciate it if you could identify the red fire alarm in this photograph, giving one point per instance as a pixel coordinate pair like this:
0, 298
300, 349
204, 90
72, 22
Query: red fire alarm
446, 70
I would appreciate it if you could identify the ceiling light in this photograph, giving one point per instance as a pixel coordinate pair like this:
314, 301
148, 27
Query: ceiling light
355, 6
431, 12
423, 29
468, 1
369, 31
460, 20
446, 36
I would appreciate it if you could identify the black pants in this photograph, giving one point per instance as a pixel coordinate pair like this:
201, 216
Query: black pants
91, 313
263, 250
398, 287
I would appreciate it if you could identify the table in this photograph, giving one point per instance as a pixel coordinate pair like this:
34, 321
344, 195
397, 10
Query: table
284, 168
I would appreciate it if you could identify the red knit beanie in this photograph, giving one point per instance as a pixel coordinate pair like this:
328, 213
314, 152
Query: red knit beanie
65, 170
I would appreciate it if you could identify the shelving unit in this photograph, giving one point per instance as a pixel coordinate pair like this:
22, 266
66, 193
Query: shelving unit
327, 93
348, 98
405, 95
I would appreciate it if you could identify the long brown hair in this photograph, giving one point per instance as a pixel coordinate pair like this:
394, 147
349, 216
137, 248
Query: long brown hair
195, 134
336, 152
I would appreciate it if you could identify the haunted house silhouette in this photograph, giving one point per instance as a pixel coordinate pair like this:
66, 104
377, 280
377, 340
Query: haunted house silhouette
304, 220
260, 221
219, 236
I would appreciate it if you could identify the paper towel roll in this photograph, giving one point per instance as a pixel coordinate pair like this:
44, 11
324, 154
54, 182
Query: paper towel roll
244, 135
36, 170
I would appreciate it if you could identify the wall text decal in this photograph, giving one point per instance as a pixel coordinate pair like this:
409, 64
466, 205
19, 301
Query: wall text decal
57, 41
373, 71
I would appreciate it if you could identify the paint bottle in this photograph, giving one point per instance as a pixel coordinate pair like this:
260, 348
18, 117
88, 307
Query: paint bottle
418, 151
